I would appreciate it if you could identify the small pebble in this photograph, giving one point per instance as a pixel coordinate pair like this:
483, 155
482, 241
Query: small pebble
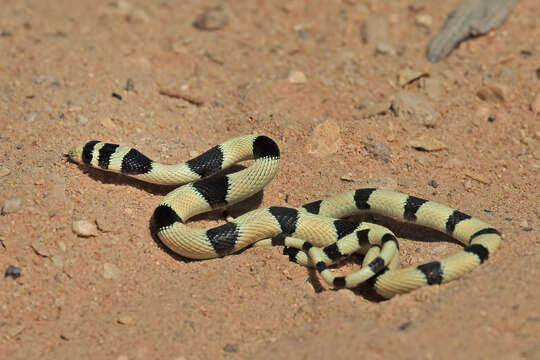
11, 206
483, 112
478, 177
434, 88
427, 143
416, 107
326, 139
212, 19
231, 348
467, 184
4, 171
374, 109
117, 96
40, 249
122, 6
67, 335
138, 16
104, 223
81, 119
385, 48
111, 271
535, 104
130, 85
348, 177
493, 93
30, 116
296, 77
60, 301
416, 5
38, 79
424, 20
405, 325
433, 183
109, 124
13, 272
58, 261
62, 245
439, 250
125, 320
364, 103
74, 108
375, 30
84, 228
384, 183
16, 330
19, 146
287, 274
408, 76
377, 150
346, 294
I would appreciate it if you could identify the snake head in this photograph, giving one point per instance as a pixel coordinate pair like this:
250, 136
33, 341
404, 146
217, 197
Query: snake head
75, 154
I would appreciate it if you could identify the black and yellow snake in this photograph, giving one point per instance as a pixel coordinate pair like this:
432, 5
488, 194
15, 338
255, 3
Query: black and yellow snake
316, 231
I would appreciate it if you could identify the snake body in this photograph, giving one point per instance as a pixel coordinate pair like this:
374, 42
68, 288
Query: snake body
315, 234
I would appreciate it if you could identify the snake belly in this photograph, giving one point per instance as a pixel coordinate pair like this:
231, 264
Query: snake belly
315, 234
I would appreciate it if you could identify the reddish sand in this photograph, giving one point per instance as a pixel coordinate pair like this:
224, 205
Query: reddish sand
119, 295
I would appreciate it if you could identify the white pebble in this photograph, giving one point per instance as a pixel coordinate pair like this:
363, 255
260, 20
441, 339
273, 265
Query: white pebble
40, 249
296, 77
111, 271
348, 177
424, 20
4, 171
30, 116
58, 261
11, 206
138, 16
385, 48
84, 228
82, 119
535, 105
125, 320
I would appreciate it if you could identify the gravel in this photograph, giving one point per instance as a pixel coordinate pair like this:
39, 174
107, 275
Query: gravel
13, 272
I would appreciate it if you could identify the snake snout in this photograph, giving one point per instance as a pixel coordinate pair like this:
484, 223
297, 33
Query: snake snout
75, 154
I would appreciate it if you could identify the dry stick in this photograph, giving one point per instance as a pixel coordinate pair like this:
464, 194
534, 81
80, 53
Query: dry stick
178, 94
470, 18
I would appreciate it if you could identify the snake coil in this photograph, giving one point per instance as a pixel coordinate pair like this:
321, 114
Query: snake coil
314, 234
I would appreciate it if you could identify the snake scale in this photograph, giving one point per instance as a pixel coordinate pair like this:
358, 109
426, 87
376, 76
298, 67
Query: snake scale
315, 234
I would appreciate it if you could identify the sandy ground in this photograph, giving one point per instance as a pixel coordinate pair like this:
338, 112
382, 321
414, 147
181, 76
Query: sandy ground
120, 295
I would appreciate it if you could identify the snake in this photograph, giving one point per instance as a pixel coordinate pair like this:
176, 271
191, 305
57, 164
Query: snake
317, 234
